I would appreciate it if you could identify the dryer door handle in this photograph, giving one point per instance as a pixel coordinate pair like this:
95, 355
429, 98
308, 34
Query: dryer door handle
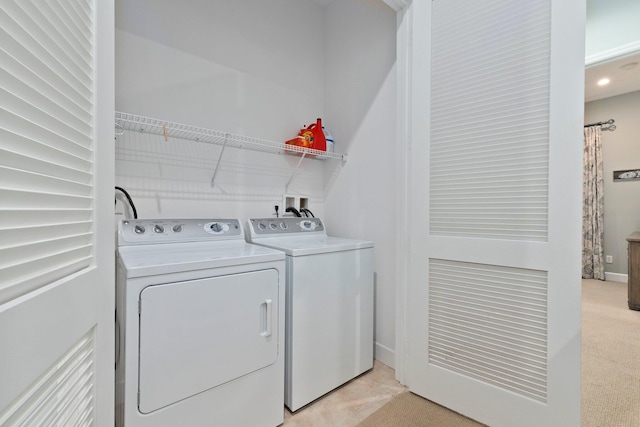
268, 317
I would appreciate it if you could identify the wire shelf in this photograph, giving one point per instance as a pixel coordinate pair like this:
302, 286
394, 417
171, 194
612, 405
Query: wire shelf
132, 122
129, 126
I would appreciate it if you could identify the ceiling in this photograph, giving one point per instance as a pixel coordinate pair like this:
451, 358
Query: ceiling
622, 80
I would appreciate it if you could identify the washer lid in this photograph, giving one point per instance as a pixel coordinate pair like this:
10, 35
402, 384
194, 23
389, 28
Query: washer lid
312, 244
150, 260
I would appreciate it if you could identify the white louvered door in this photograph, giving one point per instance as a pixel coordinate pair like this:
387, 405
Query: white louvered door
494, 292
56, 213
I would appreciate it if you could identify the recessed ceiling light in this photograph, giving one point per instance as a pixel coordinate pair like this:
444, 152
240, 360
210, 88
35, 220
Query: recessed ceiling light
603, 82
629, 66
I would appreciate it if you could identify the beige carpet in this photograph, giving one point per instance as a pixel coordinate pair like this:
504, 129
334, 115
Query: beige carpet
610, 356
610, 370
409, 410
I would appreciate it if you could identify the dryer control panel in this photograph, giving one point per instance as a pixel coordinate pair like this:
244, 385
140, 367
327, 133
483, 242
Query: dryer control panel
154, 231
264, 227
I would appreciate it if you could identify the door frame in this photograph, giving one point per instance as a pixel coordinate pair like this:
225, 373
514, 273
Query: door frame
104, 259
404, 123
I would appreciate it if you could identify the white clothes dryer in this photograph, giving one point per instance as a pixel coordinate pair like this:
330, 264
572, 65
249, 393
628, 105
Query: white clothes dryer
329, 305
200, 321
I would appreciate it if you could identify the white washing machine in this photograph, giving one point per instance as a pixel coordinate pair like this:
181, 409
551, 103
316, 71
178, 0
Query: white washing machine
329, 305
200, 321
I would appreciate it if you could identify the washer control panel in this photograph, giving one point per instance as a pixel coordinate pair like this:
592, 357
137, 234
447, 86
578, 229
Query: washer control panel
147, 231
280, 226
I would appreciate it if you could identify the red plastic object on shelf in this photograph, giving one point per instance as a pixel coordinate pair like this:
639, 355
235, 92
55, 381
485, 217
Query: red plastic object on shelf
311, 136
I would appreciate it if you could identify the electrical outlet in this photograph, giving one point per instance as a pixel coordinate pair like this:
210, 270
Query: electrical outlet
609, 259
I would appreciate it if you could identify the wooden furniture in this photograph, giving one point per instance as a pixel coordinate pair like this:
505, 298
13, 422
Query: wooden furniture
634, 270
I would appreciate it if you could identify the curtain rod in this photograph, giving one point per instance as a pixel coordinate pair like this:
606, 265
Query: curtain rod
608, 122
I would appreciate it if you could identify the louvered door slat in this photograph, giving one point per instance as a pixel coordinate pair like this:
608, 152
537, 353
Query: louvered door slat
42, 151
46, 103
58, 33
28, 276
61, 395
31, 112
26, 163
17, 88
77, 15
19, 235
19, 218
27, 180
52, 88
44, 37
39, 132
490, 323
35, 63
57, 16
39, 48
489, 117
39, 200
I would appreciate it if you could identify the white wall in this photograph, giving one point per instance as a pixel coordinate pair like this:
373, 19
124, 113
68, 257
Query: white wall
620, 151
264, 69
248, 67
611, 24
361, 113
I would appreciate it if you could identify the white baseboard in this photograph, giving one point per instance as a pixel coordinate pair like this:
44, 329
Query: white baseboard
384, 355
616, 277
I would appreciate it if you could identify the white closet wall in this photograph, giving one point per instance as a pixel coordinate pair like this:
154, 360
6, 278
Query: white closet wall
248, 67
264, 69
361, 113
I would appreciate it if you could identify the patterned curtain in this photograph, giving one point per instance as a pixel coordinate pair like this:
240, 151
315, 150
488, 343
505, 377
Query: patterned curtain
592, 206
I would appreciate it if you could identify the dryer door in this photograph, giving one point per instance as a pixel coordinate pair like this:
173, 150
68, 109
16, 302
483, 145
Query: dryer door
198, 334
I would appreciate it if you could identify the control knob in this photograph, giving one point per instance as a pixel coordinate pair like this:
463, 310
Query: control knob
158, 228
177, 228
139, 229
216, 227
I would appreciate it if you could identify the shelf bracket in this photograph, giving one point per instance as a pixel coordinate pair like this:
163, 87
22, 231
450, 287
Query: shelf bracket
293, 174
215, 172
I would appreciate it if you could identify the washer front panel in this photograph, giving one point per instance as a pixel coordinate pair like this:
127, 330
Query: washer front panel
200, 334
329, 325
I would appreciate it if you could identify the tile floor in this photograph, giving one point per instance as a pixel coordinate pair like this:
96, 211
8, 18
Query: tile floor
351, 403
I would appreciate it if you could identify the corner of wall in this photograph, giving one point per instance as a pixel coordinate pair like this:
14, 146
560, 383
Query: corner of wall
385, 355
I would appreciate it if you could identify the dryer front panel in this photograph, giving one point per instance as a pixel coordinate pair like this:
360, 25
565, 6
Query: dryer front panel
199, 334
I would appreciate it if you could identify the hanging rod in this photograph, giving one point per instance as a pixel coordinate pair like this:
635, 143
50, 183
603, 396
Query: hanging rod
608, 125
